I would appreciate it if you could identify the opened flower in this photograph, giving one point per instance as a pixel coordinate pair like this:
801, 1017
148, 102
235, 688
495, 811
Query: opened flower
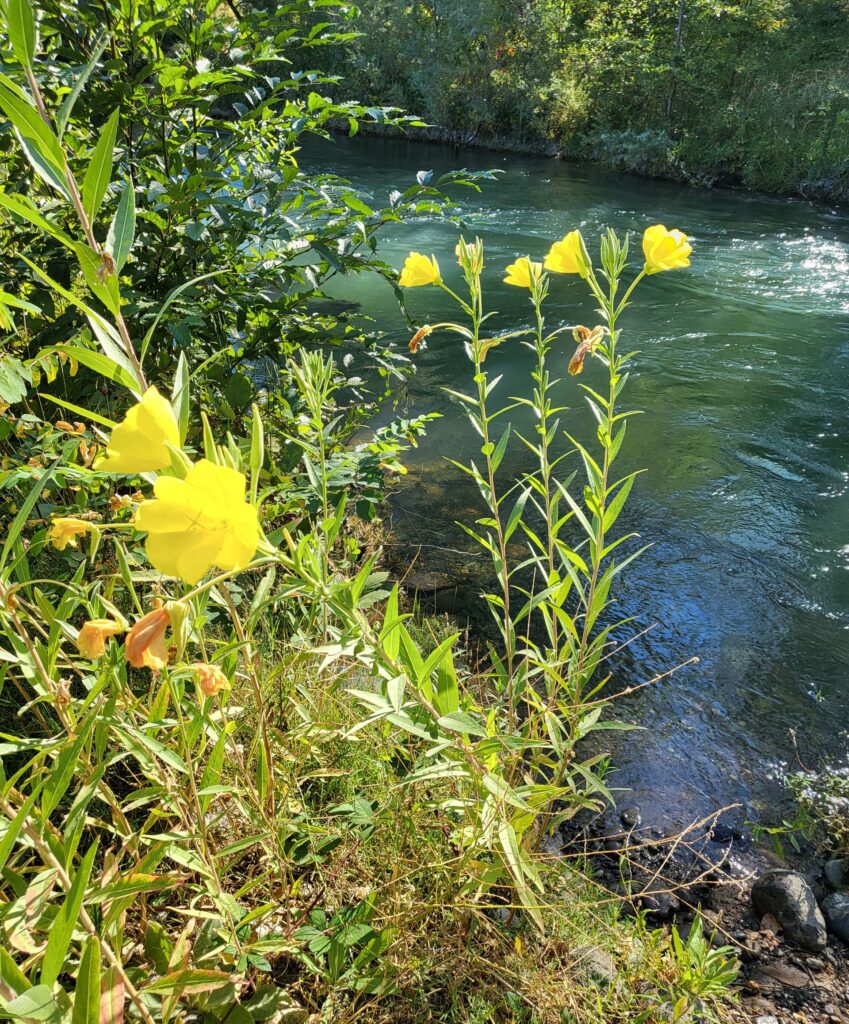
199, 522
569, 256
145, 645
91, 640
138, 443
418, 270
64, 531
210, 680
665, 250
523, 273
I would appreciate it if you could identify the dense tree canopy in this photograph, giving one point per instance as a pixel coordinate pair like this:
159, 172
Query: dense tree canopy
697, 88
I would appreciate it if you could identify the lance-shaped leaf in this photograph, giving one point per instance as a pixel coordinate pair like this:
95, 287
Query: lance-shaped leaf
122, 230
23, 35
99, 171
40, 145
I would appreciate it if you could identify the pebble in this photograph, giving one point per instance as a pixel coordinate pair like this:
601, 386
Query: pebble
767, 1019
722, 833
630, 817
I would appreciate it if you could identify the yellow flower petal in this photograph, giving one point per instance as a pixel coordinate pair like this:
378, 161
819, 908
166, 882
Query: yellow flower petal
138, 443
199, 522
569, 256
418, 270
523, 273
665, 250
64, 530
145, 646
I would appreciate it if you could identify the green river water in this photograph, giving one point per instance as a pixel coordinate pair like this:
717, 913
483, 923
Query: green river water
741, 374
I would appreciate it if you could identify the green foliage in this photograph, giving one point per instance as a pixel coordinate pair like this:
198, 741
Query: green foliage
200, 228
703, 971
823, 806
264, 799
753, 92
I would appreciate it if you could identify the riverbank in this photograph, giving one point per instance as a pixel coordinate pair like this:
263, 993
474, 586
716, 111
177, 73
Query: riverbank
648, 155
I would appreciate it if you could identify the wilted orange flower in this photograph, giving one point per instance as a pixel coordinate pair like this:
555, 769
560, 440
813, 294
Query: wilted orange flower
587, 340
65, 425
64, 530
145, 645
210, 680
419, 337
91, 641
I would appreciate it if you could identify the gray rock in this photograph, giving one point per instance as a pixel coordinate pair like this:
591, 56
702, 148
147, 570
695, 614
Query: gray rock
659, 906
768, 1018
597, 965
835, 909
630, 817
836, 873
788, 897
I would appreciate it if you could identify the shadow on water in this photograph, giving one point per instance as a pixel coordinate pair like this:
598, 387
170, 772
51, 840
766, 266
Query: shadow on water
741, 374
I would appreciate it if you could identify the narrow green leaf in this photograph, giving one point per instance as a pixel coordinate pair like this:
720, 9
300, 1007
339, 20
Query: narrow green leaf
24, 513
100, 363
40, 145
122, 230
190, 981
72, 97
459, 721
37, 1003
12, 978
62, 929
180, 395
20, 22
87, 994
13, 828
99, 171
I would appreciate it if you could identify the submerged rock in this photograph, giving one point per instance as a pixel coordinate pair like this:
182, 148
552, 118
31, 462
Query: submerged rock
835, 909
788, 897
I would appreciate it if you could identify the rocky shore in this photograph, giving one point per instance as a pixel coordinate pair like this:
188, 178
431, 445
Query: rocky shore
787, 922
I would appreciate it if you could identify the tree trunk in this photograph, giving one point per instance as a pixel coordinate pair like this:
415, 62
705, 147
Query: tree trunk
673, 77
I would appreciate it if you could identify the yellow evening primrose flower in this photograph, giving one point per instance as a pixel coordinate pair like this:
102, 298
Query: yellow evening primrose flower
569, 256
138, 443
91, 640
665, 250
201, 521
64, 530
418, 270
523, 273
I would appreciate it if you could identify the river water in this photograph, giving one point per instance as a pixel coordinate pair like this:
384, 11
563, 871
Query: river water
742, 376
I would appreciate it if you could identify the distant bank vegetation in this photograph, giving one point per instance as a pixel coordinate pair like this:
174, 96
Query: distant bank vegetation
754, 93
